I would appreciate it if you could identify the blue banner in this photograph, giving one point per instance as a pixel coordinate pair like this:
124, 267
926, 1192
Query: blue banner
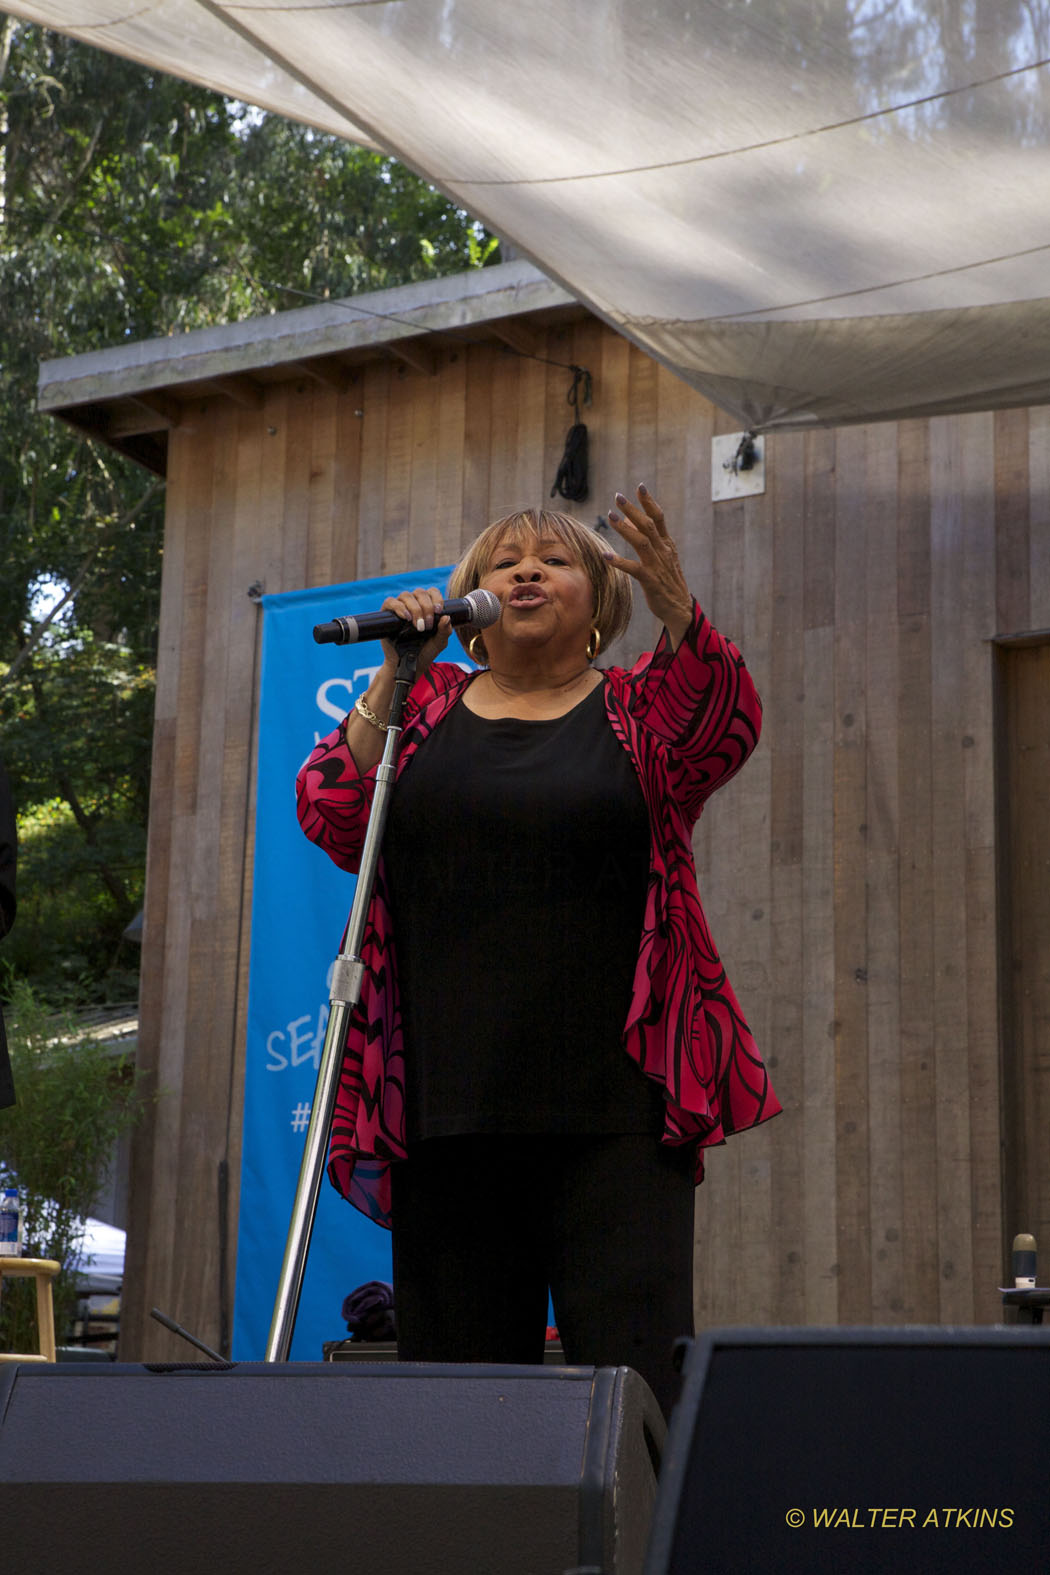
300, 904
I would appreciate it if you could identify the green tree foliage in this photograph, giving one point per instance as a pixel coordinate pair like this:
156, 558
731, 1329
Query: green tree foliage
134, 205
56, 1144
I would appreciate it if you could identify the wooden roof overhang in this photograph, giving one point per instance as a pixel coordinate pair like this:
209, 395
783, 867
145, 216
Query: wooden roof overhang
130, 397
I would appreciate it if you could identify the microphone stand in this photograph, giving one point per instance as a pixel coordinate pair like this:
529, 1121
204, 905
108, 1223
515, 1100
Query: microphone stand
347, 975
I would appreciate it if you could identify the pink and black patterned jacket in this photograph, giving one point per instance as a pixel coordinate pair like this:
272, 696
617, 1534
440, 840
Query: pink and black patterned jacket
688, 718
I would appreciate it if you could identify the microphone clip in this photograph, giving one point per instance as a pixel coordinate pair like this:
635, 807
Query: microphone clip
409, 636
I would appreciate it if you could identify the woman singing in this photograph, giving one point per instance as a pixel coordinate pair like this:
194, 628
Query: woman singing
546, 1039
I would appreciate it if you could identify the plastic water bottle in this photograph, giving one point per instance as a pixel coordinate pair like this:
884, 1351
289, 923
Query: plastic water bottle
10, 1245
1024, 1262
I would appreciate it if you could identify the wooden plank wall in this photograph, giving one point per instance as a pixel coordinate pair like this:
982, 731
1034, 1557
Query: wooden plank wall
1024, 688
848, 872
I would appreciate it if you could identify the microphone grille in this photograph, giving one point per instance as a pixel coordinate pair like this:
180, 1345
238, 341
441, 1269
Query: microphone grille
486, 607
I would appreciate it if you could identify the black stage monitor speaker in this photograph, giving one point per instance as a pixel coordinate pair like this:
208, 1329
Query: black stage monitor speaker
811, 1450
275, 1469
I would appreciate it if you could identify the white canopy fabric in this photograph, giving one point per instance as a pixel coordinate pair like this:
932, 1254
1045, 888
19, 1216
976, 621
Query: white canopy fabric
101, 1251
814, 211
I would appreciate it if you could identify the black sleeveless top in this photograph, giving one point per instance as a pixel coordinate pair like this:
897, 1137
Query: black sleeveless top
517, 856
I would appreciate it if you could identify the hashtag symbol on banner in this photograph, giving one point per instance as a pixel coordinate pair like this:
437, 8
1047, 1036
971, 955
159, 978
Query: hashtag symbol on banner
300, 1117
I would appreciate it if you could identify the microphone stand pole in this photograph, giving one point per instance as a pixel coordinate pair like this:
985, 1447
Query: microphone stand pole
347, 975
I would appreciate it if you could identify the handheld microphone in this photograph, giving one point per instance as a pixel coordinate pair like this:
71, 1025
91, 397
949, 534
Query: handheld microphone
477, 607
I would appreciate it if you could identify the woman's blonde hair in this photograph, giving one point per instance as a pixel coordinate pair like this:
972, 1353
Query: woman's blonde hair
612, 587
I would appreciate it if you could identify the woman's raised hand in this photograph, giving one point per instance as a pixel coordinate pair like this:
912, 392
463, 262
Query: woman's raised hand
423, 609
365, 732
656, 569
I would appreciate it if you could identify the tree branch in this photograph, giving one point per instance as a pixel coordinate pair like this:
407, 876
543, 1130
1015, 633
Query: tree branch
73, 182
109, 877
39, 630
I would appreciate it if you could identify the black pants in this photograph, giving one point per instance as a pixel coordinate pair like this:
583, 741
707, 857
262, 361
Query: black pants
484, 1225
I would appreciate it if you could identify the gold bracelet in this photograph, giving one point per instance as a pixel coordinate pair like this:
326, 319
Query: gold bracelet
369, 715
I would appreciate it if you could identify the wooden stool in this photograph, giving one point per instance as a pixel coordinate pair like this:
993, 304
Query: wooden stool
43, 1271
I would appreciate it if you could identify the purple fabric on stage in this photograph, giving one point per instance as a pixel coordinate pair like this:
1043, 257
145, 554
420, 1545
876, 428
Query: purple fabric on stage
369, 1311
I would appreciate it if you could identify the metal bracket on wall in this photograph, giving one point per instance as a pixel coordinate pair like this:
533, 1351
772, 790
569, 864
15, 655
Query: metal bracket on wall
738, 466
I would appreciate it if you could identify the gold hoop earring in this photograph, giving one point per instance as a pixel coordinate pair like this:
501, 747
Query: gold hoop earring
596, 640
471, 643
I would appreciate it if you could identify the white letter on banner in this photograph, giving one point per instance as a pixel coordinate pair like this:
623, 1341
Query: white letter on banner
298, 1039
338, 711
329, 707
326, 705
277, 1061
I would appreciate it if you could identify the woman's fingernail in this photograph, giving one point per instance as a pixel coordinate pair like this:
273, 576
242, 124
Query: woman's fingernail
621, 500
643, 488
420, 625
613, 516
